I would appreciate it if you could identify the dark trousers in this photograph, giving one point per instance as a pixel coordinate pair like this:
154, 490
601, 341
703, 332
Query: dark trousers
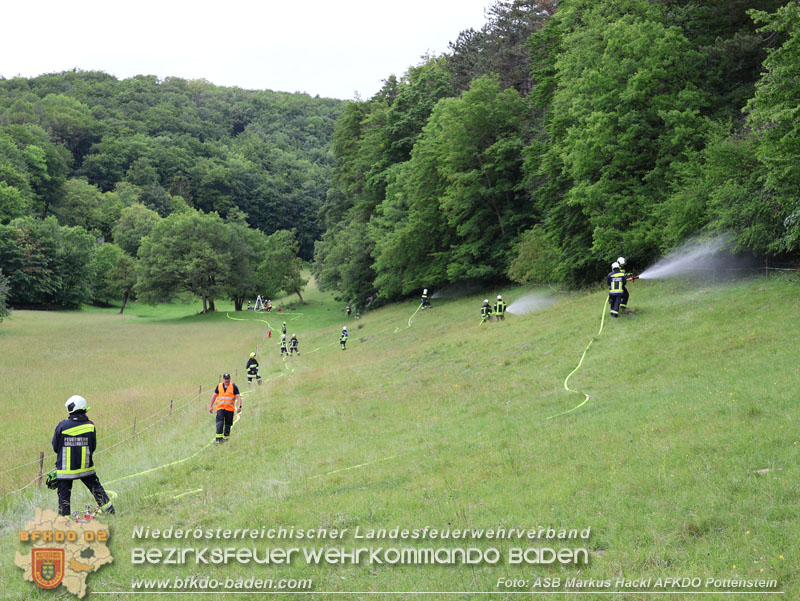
91, 482
624, 303
614, 300
224, 423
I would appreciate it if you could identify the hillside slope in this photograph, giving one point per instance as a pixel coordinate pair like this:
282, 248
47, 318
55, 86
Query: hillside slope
683, 462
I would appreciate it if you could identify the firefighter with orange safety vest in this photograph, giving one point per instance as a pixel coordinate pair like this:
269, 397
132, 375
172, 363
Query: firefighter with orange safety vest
226, 399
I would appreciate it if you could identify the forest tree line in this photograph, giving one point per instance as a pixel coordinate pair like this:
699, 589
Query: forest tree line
540, 147
564, 134
91, 165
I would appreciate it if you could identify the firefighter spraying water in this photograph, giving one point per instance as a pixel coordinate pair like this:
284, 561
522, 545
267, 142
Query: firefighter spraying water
618, 294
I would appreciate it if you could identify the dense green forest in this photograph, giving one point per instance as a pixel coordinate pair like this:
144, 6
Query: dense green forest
564, 134
90, 166
558, 136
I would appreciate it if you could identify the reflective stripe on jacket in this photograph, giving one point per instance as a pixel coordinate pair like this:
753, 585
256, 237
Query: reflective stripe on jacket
226, 399
616, 282
74, 442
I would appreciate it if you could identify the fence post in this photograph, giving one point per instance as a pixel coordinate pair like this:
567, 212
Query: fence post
41, 461
170, 407
134, 425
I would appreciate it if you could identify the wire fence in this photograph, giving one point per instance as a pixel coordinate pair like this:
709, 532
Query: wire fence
137, 428
168, 410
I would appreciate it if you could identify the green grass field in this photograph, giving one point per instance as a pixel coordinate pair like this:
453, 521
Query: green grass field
683, 462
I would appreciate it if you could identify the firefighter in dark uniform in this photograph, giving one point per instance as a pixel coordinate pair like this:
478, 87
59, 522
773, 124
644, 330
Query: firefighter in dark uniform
343, 338
224, 400
293, 345
486, 310
252, 369
616, 288
74, 442
284, 350
623, 305
426, 304
500, 308
283, 328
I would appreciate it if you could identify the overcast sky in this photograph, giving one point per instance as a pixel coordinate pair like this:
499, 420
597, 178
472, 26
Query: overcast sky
331, 48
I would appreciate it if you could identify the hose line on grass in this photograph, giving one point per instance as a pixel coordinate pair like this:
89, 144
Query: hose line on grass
566, 380
413, 314
161, 467
228, 315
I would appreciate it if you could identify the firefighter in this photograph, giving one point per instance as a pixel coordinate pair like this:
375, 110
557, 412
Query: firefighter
226, 399
74, 442
348, 310
623, 305
252, 369
293, 345
486, 311
283, 328
284, 350
426, 304
616, 288
343, 338
500, 309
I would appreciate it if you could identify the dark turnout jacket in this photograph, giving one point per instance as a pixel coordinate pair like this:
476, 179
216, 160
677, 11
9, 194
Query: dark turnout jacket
74, 442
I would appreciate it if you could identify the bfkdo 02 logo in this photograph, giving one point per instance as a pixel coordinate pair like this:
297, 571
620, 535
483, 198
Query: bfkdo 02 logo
64, 551
62, 536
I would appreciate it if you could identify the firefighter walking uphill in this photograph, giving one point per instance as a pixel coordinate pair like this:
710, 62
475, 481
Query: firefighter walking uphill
252, 369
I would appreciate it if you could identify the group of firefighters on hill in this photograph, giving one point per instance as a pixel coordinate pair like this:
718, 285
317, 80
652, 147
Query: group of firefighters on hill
498, 312
75, 439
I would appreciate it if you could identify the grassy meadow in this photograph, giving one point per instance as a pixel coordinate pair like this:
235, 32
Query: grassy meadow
684, 461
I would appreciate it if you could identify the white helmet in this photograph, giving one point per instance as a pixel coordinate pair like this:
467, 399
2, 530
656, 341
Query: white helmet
486, 300
252, 355
621, 261
615, 265
76, 403
499, 297
425, 291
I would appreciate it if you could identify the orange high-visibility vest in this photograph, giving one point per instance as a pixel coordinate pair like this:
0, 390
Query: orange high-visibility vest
225, 398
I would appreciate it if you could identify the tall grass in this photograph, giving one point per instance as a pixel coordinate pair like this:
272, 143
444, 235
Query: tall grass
444, 423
